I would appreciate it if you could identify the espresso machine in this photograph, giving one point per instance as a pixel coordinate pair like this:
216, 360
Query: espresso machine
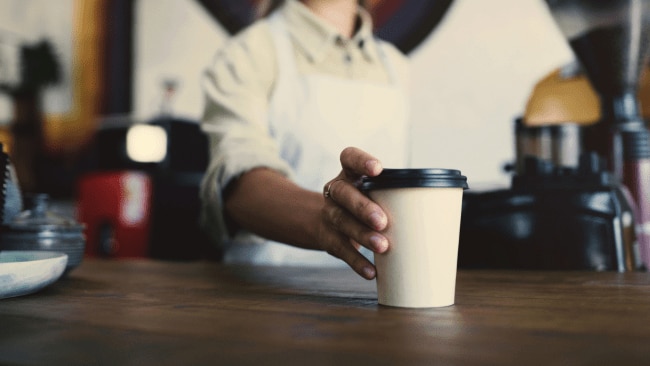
610, 39
595, 214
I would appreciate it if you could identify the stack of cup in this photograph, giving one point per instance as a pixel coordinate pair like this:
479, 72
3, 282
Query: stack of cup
424, 211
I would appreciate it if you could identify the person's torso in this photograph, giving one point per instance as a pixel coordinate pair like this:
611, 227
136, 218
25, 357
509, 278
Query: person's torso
313, 117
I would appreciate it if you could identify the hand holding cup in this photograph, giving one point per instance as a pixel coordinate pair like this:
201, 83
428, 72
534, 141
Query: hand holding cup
349, 219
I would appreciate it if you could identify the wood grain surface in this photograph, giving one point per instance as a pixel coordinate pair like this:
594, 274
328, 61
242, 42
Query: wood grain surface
142, 312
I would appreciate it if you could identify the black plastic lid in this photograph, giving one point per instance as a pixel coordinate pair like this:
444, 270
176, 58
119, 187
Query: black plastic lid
409, 178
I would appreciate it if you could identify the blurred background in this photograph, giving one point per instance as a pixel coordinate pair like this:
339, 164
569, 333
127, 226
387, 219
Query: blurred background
100, 100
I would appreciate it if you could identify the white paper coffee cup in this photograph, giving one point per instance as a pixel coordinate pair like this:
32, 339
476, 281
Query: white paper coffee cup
424, 211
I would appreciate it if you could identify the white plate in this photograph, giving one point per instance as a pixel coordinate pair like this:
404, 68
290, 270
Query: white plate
25, 272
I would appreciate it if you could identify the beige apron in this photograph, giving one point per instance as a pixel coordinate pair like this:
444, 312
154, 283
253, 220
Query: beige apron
313, 118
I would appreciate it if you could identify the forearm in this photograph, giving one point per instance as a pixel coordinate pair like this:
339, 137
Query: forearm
268, 204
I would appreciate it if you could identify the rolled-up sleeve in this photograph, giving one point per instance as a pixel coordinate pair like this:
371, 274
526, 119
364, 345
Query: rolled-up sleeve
237, 86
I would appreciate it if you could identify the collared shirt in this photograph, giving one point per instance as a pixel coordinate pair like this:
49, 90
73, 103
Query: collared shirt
321, 49
239, 83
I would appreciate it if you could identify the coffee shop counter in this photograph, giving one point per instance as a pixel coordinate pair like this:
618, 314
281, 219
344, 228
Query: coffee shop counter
140, 312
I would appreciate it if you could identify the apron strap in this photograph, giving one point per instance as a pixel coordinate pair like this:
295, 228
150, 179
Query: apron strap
283, 48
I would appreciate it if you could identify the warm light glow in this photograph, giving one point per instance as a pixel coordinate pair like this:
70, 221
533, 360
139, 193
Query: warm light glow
146, 143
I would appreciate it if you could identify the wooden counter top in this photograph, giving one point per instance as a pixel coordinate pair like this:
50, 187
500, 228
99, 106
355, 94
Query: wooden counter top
142, 312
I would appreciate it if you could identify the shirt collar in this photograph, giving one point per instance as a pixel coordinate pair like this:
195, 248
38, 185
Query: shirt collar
315, 37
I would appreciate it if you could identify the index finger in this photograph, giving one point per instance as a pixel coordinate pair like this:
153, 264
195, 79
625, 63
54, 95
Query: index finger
356, 163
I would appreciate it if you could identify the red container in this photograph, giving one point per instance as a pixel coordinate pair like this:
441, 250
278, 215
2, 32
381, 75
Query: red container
115, 207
